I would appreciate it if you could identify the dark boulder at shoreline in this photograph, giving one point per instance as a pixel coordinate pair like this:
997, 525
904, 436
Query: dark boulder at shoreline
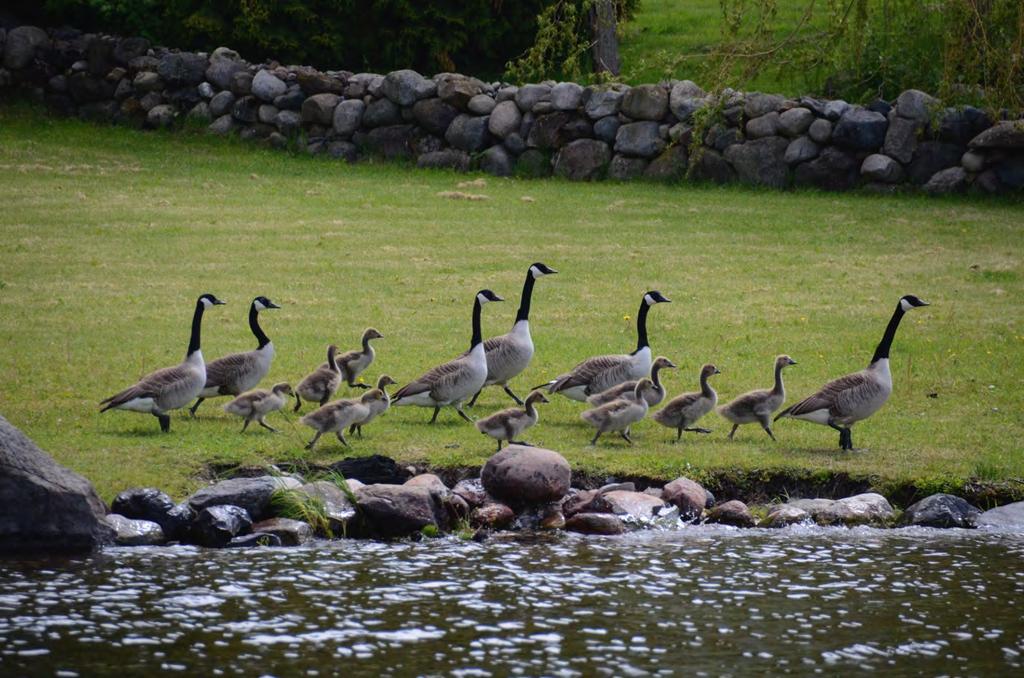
733, 512
524, 476
216, 526
1008, 516
148, 503
131, 532
399, 510
688, 496
252, 494
941, 510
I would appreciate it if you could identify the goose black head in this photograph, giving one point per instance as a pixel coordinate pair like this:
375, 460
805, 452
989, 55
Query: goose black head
709, 370
655, 297
208, 300
538, 269
784, 361
261, 303
483, 296
909, 301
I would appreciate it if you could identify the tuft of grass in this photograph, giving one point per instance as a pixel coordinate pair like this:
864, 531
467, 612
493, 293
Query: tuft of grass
297, 505
108, 236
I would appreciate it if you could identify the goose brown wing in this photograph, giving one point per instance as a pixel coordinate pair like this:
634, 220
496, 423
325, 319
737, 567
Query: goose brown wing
679, 404
587, 371
438, 377
154, 385
833, 395
228, 370
345, 358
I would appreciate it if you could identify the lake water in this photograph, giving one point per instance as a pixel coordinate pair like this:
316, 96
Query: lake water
696, 601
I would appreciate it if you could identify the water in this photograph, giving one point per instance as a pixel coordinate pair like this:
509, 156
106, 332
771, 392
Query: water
698, 601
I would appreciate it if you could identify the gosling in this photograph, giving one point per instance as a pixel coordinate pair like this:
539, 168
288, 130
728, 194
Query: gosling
683, 411
377, 407
620, 414
256, 404
338, 415
758, 406
507, 425
321, 383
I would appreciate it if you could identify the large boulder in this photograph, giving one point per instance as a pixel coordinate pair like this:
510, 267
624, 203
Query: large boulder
733, 512
645, 102
348, 116
820, 131
636, 506
1006, 134
786, 515
131, 532
505, 119
548, 130
251, 494
21, 45
446, 158
582, 160
319, 109
182, 68
458, 90
468, 133
757, 104
1008, 516
289, 532
795, 121
671, 165
950, 180
860, 129
689, 496
372, 470
338, 508
392, 141
626, 168
529, 96
267, 86
832, 170
399, 510
685, 98
602, 103
931, 157
496, 161
711, 166
761, 161
595, 523
216, 526
641, 139
941, 510
381, 113
523, 476
862, 509
44, 506
566, 96
901, 138
962, 124
763, 126
916, 105
151, 504
801, 150
222, 103
481, 104
878, 167
434, 115
406, 87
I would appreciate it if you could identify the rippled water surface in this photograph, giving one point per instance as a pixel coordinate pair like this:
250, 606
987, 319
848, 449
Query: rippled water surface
702, 600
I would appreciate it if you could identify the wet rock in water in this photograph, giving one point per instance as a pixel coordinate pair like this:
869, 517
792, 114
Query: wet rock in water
690, 497
635, 505
472, 490
44, 506
148, 503
941, 510
373, 470
733, 512
869, 508
289, 532
251, 494
495, 516
215, 526
429, 481
526, 475
595, 523
133, 532
584, 501
540, 517
253, 540
399, 510
786, 515
1008, 516
813, 507
339, 509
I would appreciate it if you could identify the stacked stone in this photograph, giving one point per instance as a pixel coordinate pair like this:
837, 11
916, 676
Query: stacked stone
580, 133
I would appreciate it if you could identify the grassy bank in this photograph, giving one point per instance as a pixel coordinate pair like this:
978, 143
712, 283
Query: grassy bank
107, 236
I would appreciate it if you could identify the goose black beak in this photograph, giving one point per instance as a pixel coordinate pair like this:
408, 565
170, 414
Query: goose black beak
717, 371
218, 302
272, 305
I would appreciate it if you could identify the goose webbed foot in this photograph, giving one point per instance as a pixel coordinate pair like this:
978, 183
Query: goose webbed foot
519, 401
437, 408
472, 401
768, 430
165, 422
697, 429
521, 442
192, 410
311, 443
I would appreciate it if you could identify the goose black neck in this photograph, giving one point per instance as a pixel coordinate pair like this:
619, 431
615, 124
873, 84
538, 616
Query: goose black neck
197, 323
778, 378
332, 360
705, 388
254, 325
524, 301
890, 333
366, 343
477, 337
654, 376
530, 407
641, 326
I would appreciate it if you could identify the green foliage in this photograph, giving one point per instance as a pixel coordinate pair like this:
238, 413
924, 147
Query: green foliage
297, 505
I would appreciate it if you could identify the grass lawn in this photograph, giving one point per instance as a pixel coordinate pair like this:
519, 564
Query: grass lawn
108, 236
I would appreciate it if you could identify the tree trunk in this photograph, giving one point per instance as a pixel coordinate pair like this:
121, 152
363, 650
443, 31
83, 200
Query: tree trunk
606, 44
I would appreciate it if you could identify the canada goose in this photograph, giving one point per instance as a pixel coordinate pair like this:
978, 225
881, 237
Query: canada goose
376, 407
845, 401
619, 415
256, 404
757, 406
625, 389
509, 424
238, 372
321, 383
354, 363
600, 373
172, 387
338, 415
510, 354
683, 411
455, 380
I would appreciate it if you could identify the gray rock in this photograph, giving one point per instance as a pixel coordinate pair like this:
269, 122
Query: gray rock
457, 90
123, 90
44, 506
877, 167
251, 494
399, 510
634, 506
127, 49
785, 515
860, 129
434, 115
147, 81
205, 90
566, 96
528, 475
671, 165
246, 109
447, 158
548, 131
832, 170
711, 166
757, 104
254, 540
481, 104
989, 182
901, 139
380, 113
951, 180
289, 532
529, 96
200, 113
339, 149
222, 103
468, 133
151, 100
217, 525
289, 122
152, 505
494, 516
1008, 516
941, 510
642, 139
1011, 172
161, 116
1006, 134
595, 523
733, 513
348, 116
406, 87
504, 119
626, 168
687, 495
836, 109
392, 141
685, 98
497, 161
514, 143
800, 150
133, 532
766, 125
680, 133
721, 137
221, 72
267, 86
314, 82
603, 103
606, 129
931, 157
961, 124
535, 163
430, 481
222, 125
645, 102
21, 45
820, 131
862, 509
339, 509
267, 114
182, 68
760, 161
973, 161
290, 100
85, 88
319, 109
506, 94
915, 105
795, 121
813, 507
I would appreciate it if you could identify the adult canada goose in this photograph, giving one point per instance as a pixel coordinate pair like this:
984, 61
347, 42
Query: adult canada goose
683, 411
172, 387
509, 424
338, 415
238, 372
625, 389
845, 401
455, 380
619, 415
256, 404
600, 373
376, 407
354, 363
510, 354
757, 406
321, 383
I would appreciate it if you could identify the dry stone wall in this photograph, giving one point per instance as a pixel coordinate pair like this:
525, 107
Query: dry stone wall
581, 133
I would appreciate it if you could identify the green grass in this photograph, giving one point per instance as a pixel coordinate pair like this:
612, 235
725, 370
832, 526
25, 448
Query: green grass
108, 235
